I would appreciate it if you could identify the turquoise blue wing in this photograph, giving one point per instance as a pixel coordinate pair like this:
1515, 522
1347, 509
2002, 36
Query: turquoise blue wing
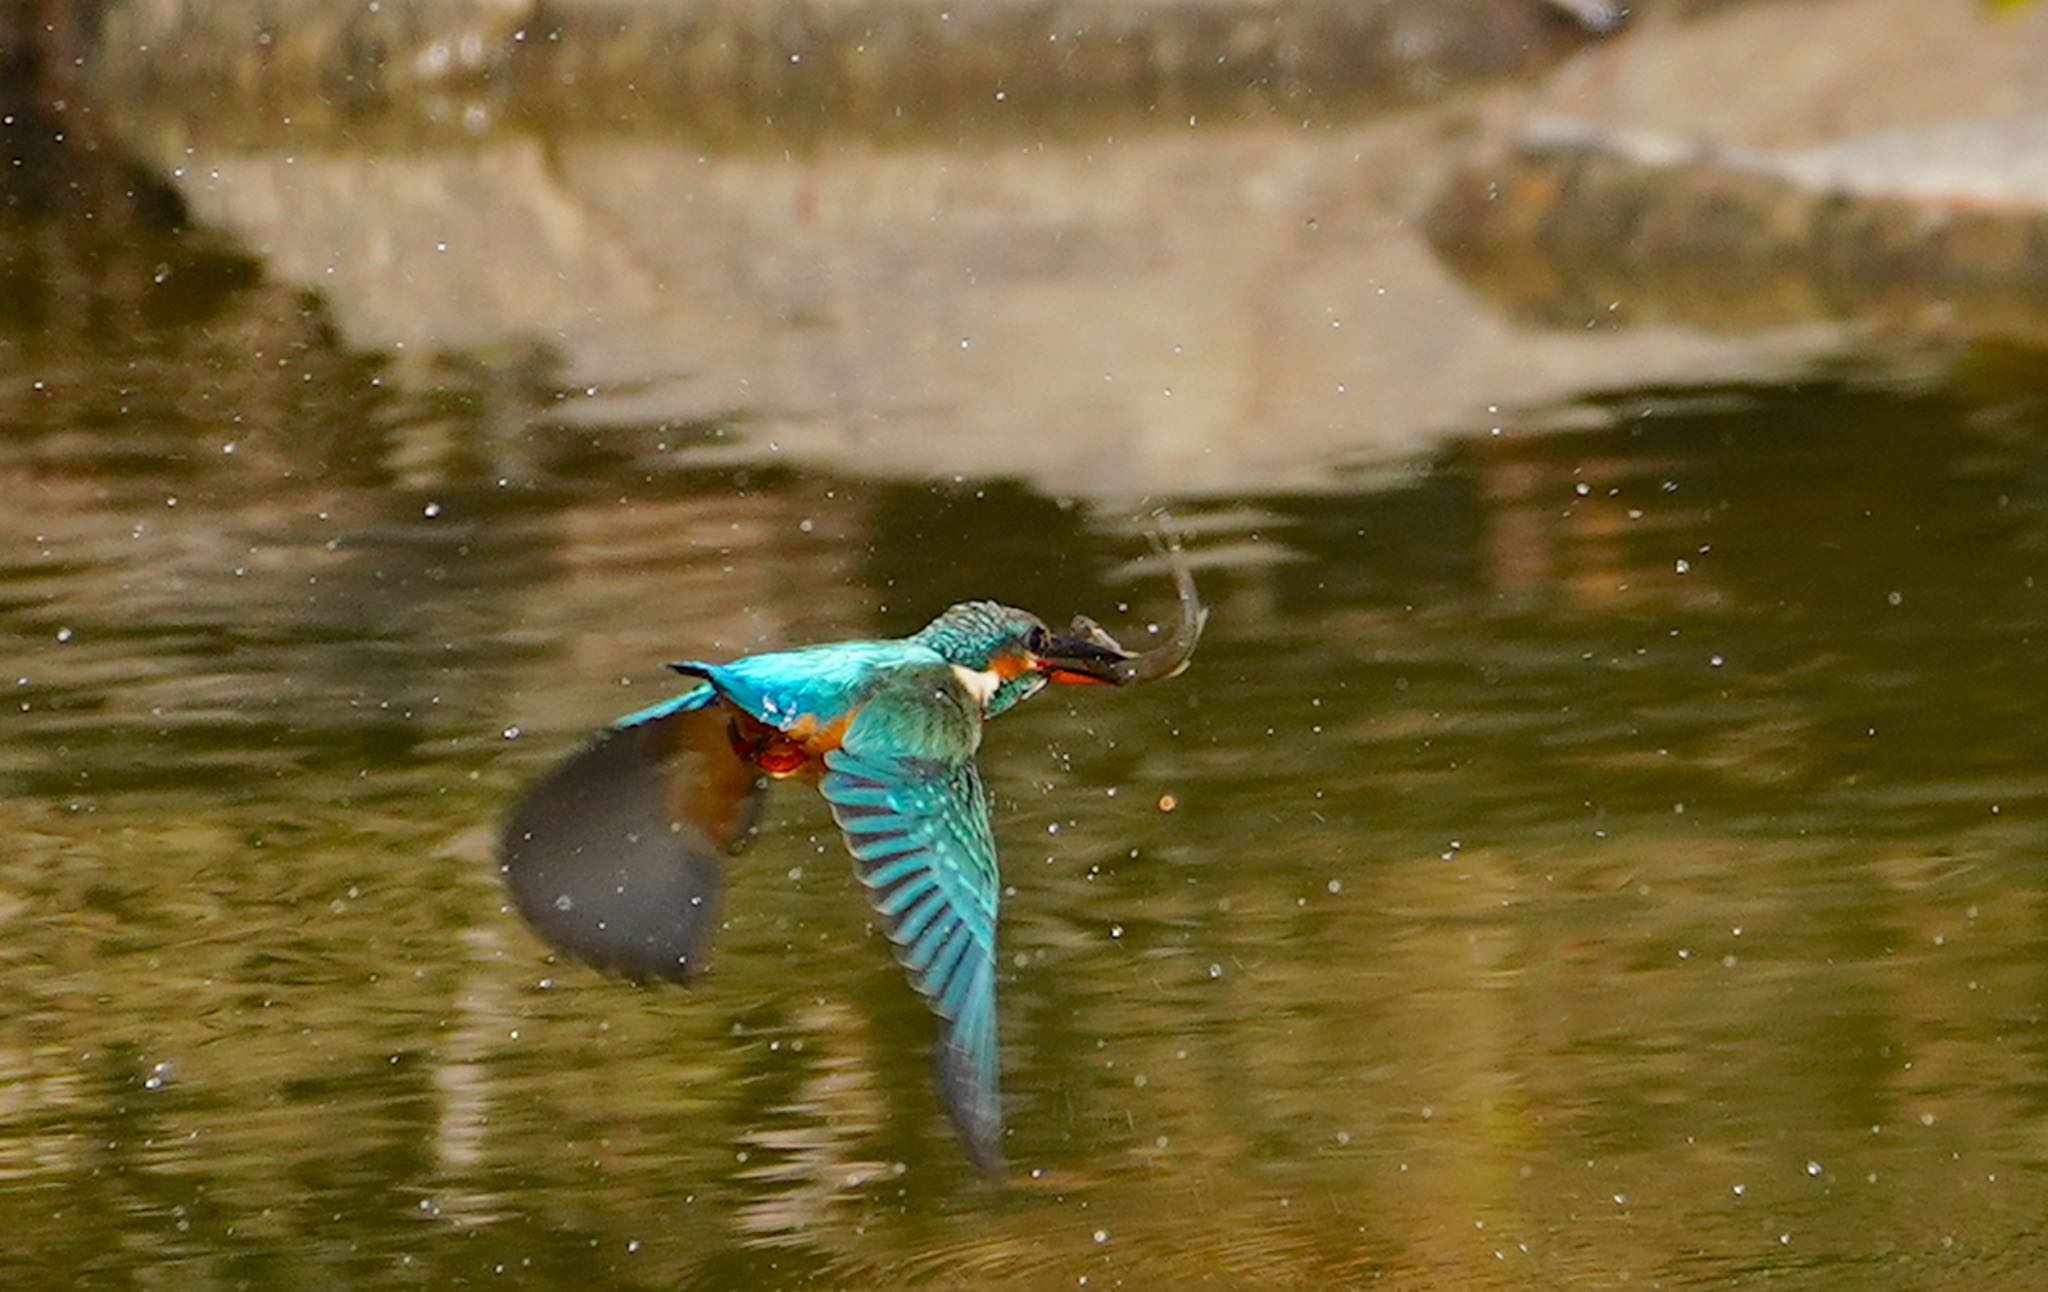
918, 829
614, 856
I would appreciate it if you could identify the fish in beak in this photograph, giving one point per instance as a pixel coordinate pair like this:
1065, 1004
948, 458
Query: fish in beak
1088, 654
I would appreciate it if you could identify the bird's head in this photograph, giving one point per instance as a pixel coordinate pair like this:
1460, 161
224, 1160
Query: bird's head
1019, 649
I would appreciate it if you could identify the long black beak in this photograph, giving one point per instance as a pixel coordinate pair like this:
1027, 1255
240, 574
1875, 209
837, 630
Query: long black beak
1095, 658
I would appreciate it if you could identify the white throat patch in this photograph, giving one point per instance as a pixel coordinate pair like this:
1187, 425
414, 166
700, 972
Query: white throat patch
979, 683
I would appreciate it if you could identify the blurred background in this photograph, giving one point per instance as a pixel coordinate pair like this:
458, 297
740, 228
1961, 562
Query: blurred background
1600, 844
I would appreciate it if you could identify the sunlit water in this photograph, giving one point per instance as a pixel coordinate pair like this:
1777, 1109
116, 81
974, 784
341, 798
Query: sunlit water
1609, 857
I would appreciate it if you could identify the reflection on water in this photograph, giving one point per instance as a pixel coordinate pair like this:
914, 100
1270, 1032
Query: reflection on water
1217, 308
1598, 857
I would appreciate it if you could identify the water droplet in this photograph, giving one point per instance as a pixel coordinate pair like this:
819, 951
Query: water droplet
565, 903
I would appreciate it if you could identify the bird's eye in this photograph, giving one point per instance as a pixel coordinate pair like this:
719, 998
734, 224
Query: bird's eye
1036, 640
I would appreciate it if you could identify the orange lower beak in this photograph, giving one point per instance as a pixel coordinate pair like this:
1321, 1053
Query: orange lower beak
1071, 678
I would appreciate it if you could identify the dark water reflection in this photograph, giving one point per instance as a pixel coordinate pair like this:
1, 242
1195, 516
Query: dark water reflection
1598, 857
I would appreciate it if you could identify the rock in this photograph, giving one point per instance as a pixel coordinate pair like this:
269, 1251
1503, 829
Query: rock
1889, 161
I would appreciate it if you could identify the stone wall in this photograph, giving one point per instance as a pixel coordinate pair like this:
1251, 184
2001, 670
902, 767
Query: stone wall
721, 67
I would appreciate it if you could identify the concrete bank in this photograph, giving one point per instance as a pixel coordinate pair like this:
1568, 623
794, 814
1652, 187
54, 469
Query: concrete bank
737, 66
1840, 160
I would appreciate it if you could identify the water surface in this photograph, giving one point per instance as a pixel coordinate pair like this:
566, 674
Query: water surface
1595, 857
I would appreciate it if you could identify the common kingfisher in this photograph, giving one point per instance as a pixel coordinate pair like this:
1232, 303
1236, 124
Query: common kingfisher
613, 857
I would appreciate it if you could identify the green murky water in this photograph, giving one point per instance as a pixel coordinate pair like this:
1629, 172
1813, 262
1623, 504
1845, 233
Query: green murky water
1594, 858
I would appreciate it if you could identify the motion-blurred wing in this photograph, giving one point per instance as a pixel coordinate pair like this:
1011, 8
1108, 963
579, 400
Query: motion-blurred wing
613, 856
919, 833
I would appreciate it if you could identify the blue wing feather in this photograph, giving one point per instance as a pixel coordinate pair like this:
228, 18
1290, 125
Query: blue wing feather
919, 833
694, 698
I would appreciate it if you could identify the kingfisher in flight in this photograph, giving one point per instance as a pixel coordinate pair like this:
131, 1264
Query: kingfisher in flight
614, 856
